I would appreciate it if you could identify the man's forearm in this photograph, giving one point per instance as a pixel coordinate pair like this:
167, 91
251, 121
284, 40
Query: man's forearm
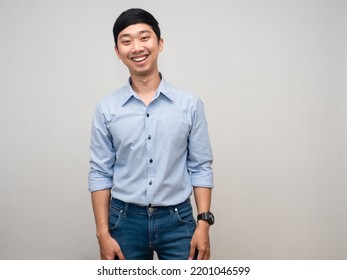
101, 204
202, 199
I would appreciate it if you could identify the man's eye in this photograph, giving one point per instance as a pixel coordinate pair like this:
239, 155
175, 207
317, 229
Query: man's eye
144, 38
126, 42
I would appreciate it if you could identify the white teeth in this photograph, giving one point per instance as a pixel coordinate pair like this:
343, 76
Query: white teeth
139, 59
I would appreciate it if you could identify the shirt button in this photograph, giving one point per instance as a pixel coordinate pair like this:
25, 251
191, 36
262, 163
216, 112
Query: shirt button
151, 161
147, 115
149, 137
150, 183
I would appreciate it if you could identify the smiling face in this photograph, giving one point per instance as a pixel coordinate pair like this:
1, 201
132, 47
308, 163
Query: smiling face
138, 47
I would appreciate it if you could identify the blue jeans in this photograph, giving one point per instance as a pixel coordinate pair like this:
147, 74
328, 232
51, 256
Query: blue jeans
140, 230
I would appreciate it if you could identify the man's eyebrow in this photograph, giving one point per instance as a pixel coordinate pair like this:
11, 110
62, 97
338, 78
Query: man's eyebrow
129, 35
144, 31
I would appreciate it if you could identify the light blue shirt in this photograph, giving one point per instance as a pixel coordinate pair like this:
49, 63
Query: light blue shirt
150, 154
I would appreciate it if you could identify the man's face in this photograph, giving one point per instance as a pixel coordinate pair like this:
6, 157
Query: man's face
138, 48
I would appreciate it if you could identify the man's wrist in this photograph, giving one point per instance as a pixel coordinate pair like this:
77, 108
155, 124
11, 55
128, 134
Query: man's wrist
102, 233
203, 224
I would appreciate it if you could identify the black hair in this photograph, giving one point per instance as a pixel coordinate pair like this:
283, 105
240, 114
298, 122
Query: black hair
134, 16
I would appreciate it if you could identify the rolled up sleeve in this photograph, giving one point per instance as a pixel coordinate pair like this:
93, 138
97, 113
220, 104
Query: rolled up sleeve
102, 154
200, 157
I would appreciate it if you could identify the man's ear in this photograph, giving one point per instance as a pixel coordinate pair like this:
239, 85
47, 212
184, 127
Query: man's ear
117, 52
161, 44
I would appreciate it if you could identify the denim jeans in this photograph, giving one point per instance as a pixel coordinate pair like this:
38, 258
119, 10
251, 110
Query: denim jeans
141, 230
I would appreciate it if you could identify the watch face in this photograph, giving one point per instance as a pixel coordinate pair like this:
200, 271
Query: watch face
208, 217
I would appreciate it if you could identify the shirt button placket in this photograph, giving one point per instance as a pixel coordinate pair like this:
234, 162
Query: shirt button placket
150, 155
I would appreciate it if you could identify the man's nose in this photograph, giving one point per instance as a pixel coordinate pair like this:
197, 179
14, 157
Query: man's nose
137, 46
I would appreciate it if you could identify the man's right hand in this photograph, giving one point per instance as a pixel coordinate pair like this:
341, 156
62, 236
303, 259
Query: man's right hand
109, 248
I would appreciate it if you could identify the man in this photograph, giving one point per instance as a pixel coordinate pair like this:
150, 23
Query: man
149, 149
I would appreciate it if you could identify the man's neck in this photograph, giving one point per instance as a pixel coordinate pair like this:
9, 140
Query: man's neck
145, 86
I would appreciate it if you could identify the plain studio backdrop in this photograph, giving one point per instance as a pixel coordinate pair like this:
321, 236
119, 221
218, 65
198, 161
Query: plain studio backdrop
272, 75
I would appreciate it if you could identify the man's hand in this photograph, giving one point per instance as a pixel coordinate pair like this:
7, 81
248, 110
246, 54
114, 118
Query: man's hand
201, 242
109, 248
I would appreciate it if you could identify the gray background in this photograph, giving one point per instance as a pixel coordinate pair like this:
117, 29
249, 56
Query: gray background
272, 75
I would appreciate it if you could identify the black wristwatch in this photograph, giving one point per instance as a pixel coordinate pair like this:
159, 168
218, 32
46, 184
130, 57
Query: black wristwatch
207, 216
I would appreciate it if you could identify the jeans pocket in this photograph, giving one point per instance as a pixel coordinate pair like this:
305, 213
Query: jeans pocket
115, 215
185, 214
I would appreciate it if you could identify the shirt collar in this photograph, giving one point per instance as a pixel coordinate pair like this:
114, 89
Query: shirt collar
163, 89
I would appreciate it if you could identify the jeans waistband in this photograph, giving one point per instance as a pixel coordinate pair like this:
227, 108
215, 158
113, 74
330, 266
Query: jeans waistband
149, 208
